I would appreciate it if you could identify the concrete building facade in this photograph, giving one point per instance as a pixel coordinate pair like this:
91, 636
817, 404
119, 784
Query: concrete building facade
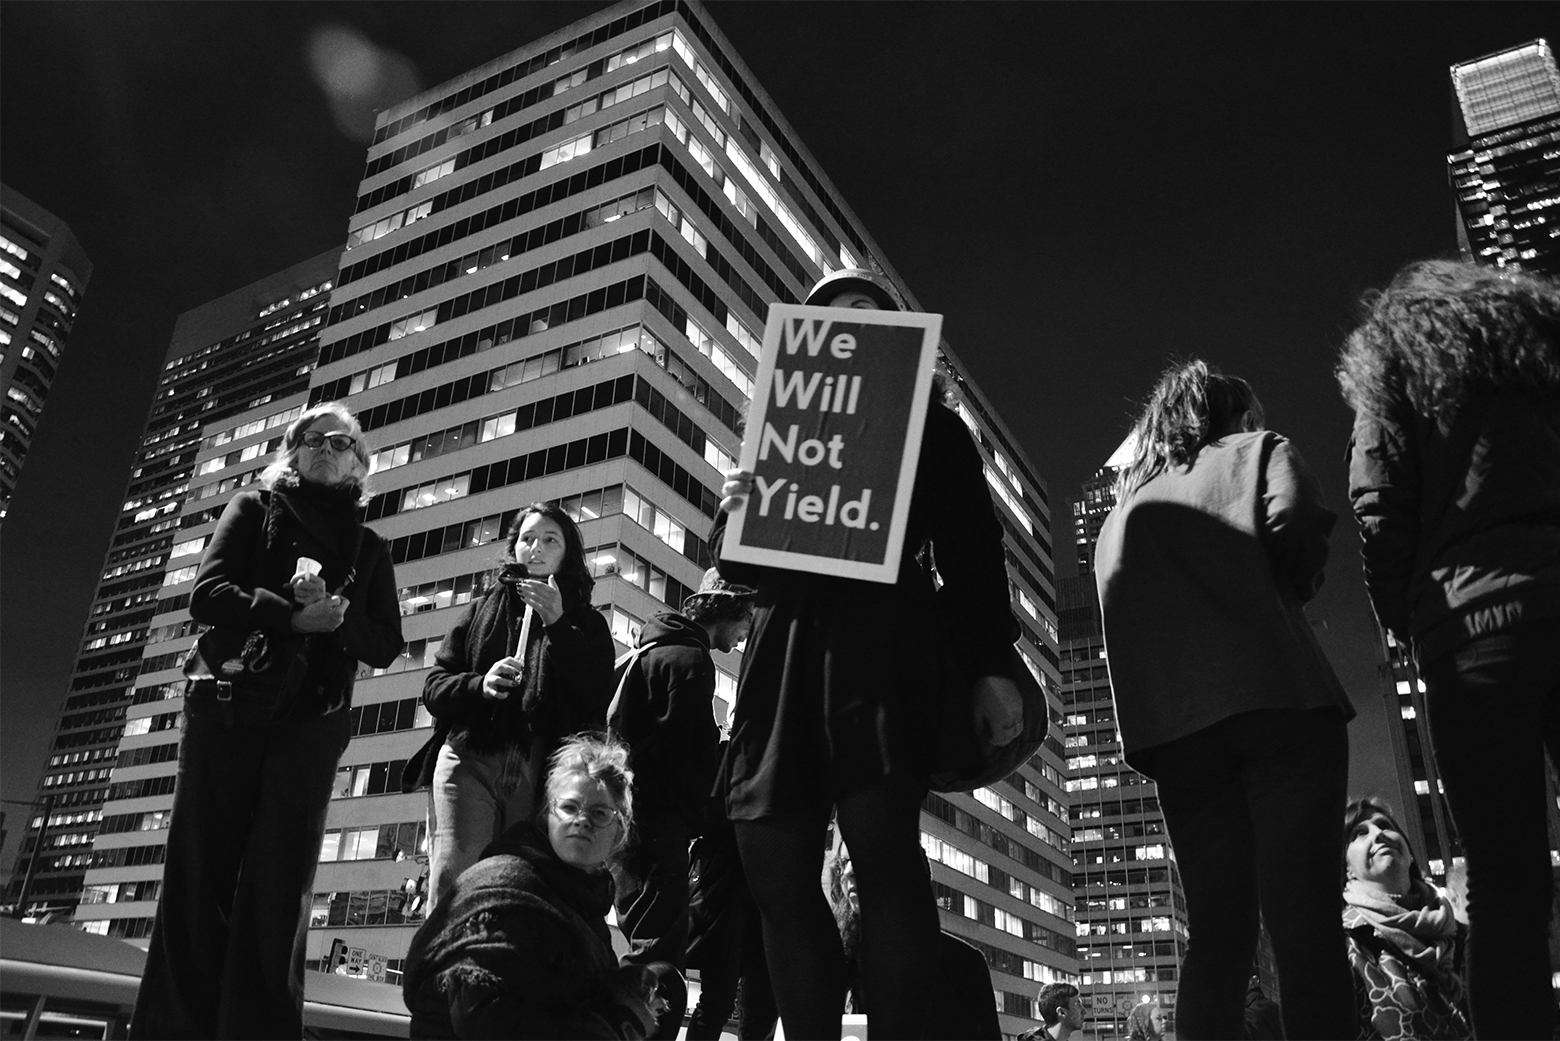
554, 286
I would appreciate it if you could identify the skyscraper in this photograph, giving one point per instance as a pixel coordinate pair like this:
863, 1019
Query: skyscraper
1505, 165
554, 286
242, 351
43, 275
1131, 909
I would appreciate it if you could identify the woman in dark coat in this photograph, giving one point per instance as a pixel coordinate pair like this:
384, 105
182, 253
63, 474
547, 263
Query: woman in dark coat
1225, 698
500, 712
1455, 479
520, 948
837, 706
291, 577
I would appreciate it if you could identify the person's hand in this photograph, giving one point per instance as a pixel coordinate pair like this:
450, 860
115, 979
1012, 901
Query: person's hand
307, 588
734, 493
999, 711
502, 677
543, 597
321, 616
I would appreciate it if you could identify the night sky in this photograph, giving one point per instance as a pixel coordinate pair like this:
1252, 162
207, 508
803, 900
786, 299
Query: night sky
1084, 191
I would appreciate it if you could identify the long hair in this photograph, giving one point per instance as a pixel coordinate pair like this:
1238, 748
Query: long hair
574, 578
600, 757
1192, 404
286, 458
1442, 332
1139, 1026
1359, 810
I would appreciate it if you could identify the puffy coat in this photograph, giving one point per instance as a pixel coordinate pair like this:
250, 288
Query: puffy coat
1460, 517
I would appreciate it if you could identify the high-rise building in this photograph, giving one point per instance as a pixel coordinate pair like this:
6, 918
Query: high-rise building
1505, 164
1130, 906
554, 286
240, 352
43, 275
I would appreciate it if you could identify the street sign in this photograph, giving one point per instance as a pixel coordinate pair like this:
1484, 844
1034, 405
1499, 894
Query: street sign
832, 440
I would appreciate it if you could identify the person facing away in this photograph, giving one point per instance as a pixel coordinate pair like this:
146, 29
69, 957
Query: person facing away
664, 712
292, 570
500, 710
836, 709
1454, 475
1224, 697
1405, 942
519, 947
1060, 1008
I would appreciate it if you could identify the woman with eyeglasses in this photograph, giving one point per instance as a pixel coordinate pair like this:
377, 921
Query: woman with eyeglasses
500, 710
519, 947
295, 592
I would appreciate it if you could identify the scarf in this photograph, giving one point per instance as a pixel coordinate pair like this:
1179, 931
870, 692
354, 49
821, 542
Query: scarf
1426, 936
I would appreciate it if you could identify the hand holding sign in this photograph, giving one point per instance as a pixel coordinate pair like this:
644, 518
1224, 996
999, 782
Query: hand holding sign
833, 438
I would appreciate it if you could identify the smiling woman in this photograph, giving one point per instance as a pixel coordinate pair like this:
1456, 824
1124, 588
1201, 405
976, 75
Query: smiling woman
1405, 942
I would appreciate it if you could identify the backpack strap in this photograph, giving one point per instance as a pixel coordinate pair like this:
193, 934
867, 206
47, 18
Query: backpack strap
622, 669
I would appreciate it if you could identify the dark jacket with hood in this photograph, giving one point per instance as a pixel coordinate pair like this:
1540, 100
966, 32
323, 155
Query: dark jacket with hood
242, 585
520, 949
665, 717
568, 680
1460, 517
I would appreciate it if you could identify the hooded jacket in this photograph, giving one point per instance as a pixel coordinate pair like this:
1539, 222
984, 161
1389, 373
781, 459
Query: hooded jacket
520, 949
666, 718
1460, 517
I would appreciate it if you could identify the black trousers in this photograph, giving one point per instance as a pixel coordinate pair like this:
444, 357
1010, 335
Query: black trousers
226, 956
1494, 708
1254, 805
652, 905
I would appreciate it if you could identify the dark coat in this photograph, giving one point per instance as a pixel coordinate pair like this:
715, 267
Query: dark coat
243, 580
666, 718
1460, 518
841, 678
520, 949
568, 680
1202, 574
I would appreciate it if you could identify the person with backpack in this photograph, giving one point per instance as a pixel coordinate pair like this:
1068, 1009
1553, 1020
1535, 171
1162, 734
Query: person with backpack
663, 711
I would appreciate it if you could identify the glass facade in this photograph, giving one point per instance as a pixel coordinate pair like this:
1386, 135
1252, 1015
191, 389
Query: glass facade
43, 277
1505, 172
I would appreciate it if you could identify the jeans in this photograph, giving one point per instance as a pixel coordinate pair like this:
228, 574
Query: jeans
1494, 707
226, 955
1254, 806
467, 810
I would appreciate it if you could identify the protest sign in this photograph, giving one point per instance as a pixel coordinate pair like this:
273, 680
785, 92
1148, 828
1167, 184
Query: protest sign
832, 440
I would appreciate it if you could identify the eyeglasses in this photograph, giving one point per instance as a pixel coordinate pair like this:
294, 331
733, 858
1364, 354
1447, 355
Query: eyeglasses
598, 816
338, 442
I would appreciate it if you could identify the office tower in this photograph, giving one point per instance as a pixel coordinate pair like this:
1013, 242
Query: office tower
43, 275
554, 286
240, 352
1505, 165
1131, 910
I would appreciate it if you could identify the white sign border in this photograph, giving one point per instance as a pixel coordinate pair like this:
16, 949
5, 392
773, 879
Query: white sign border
888, 571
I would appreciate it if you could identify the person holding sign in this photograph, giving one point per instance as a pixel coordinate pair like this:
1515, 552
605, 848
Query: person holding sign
524, 667
837, 707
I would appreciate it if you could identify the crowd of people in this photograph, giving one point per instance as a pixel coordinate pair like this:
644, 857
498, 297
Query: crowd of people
785, 862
